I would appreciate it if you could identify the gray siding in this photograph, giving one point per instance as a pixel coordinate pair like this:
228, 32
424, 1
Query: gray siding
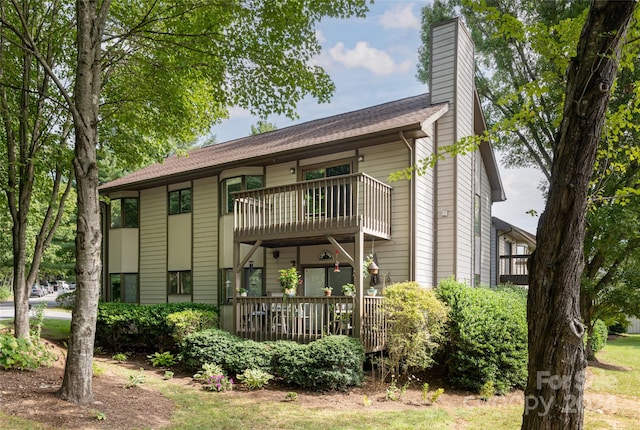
423, 216
205, 240
153, 246
485, 215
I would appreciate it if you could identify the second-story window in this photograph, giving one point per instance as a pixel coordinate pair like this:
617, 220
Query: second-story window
239, 183
180, 201
124, 213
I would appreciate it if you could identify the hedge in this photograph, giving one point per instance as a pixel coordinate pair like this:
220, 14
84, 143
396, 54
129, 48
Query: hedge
129, 326
330, 363
487, 336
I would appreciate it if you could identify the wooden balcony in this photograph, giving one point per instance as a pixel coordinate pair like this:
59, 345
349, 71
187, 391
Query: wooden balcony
305, 319
514, 269
305, 212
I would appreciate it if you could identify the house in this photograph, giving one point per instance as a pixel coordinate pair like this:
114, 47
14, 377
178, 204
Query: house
313, 196
511, 248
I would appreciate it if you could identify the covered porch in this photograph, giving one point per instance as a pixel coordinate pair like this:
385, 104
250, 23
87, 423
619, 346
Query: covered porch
353, 208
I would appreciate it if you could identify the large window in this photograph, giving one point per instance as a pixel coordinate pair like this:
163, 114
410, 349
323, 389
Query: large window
180, 201
180, 282
124, 213
123, 287
330, 200
239, 183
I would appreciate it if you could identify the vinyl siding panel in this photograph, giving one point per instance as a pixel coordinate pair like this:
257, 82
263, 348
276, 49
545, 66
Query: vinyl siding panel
485, 216
153, 246
393, 254
205, 240
423, 216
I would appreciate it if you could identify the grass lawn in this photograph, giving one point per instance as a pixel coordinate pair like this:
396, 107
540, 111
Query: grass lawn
52, 329
612, 401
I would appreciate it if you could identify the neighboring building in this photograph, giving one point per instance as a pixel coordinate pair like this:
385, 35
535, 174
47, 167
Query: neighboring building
315, 196
634, 326
511, 248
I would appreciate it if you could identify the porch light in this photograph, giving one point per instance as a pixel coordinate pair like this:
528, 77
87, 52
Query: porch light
361, 158
292, 170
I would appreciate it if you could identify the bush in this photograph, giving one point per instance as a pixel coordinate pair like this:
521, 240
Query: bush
330, 363
5, 292
599, 337
247, 354
66, 300
487, 336
139, 327
190, 321
21, 353
333, 362
207, 346
416, 320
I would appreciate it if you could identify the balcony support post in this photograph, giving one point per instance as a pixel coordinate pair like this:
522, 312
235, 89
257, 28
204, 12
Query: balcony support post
358, 279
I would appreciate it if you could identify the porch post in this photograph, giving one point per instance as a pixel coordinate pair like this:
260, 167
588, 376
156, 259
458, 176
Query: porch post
358, 280
237, 279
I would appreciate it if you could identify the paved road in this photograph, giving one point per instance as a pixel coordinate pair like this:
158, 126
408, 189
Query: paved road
7, 311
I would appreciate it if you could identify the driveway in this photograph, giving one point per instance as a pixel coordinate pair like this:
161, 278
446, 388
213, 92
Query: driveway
7, 311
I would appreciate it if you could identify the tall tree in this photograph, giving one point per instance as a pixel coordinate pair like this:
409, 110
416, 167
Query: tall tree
164, 71
555, 385
522, 51
35, 171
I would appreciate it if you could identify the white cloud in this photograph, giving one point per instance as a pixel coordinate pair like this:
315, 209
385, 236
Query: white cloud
367, 57
400, 16
320, 36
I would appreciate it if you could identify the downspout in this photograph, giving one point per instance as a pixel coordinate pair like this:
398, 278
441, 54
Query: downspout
412, 209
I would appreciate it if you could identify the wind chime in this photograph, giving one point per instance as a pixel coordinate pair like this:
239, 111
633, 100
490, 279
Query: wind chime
336, 266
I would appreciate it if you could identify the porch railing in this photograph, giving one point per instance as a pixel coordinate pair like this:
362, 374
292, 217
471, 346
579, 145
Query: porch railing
341, 202
305, 319
514, 269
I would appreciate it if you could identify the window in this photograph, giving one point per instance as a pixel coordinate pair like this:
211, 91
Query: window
123, 287
252, 281
239, 183
180, 282
328, 200
124, 213
180, 201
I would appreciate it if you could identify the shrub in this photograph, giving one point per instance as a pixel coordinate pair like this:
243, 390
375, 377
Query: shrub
416, 320
21, 353
190, 321
5, 292
220, 383
255, 378
487, 336
139, 327
247, 354
66, 300
599, 337
330, 363
207, 346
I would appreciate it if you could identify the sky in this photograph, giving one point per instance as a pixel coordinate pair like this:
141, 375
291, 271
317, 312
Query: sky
373, 60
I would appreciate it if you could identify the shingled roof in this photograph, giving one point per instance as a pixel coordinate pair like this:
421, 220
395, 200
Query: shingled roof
408, 113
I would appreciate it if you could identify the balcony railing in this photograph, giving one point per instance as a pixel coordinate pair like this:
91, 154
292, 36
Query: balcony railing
305, 319
342, 203
514, 269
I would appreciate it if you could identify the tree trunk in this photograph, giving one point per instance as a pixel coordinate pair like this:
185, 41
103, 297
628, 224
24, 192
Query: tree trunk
77, 382
555, 386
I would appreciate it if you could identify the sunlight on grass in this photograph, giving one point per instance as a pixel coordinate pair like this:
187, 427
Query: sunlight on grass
10, 422
624, 352
52, 329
